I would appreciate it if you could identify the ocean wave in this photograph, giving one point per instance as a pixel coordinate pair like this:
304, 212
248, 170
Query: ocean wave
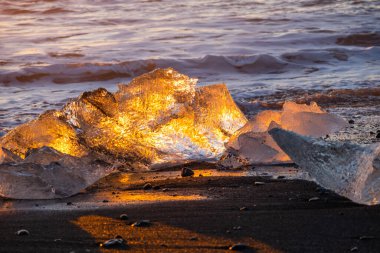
77, 70
84, 72
360, 39
19, 11
16, 11
55, 10
316, 56
314, 3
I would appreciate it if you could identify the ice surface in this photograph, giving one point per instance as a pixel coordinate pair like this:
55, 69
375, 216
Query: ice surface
350, 170
46, 173
158, 118
253, 145
49, 129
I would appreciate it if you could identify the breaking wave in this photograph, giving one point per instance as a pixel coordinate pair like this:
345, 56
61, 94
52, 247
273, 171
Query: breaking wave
360, 39
84, 72
74, 67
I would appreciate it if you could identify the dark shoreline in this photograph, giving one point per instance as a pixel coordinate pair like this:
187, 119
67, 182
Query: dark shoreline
280, 216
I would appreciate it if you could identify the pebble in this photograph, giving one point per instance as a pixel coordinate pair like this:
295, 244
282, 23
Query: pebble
237, 228
142, 223
194, 238
313, 199
123, 216
238, 247
187, 172
22, 232
354, 249
244, 208
366, 237
156, 187
351, 121
165, 189
147, 186
69, 203
113, 243
259, 183
105, 201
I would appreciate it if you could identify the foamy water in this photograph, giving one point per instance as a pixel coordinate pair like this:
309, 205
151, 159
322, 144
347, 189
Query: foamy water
265, 51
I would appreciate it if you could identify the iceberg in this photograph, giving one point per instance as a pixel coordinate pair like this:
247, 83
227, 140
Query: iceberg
253, 145
159, 118
351, 170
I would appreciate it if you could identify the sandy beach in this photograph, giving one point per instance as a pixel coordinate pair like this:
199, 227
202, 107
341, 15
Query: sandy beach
208, 213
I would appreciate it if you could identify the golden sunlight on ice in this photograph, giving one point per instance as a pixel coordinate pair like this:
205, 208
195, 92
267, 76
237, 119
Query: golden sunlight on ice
159, 118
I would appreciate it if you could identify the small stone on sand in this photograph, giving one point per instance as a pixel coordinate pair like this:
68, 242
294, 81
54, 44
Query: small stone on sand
187, 172
238, 247
147, 186
142, 223
113, 243
22, 232
123, 216
313, 199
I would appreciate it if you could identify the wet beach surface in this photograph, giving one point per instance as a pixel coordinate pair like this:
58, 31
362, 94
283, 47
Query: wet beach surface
207, 213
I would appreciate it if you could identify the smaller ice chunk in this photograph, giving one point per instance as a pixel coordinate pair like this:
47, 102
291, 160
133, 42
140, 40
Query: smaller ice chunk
348, 169
253, 145
46, 174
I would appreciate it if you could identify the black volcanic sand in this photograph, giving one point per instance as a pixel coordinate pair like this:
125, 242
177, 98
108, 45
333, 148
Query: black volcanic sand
277, 216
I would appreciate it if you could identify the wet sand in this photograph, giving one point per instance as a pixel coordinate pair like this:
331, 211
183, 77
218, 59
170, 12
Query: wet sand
196, 214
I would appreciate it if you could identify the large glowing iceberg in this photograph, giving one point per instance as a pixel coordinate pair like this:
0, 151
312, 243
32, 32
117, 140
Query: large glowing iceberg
253, 145
350, 170
157, 119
